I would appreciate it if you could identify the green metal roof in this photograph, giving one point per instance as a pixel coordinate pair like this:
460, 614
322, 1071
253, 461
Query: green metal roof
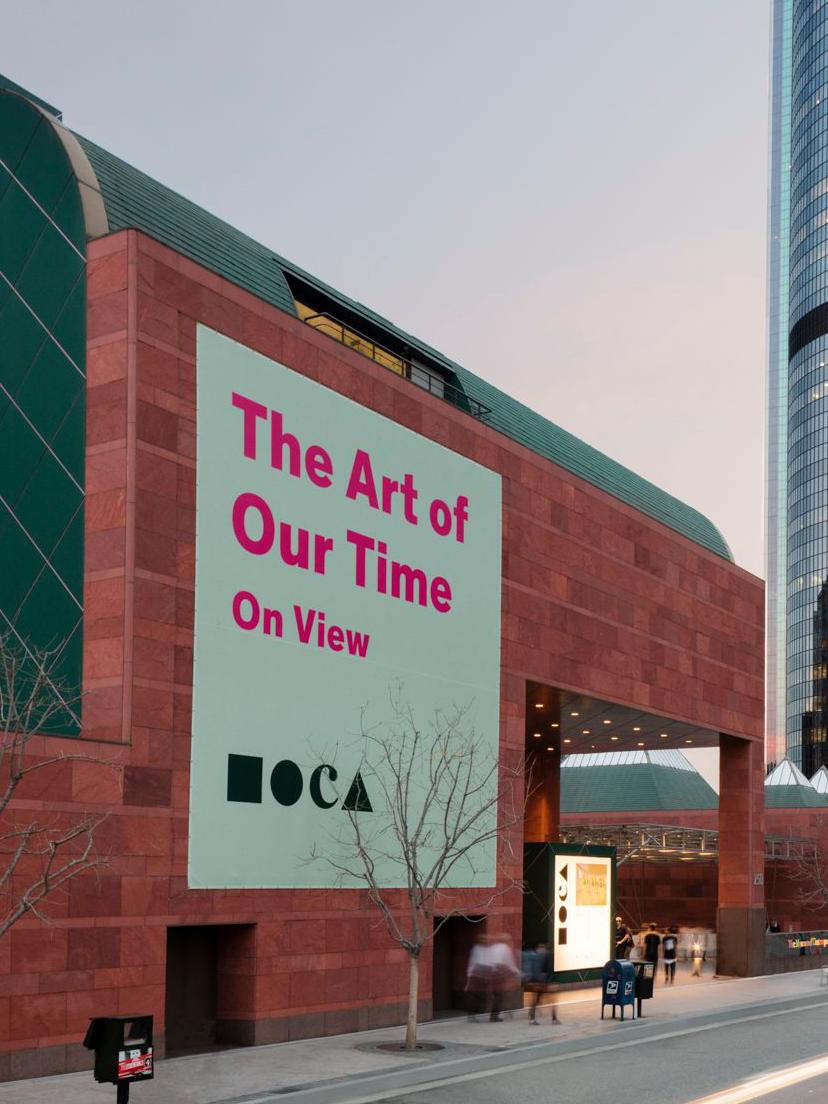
794, 797
632, 783
12, 86
135, 200
786, 787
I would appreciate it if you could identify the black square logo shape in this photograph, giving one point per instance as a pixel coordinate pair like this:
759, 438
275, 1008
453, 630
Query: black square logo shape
244, 778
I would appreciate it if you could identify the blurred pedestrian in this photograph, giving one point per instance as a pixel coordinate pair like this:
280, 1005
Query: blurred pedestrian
623, 939
670, 945
506, 974
480, 974
699, 953
537, 974
652, 942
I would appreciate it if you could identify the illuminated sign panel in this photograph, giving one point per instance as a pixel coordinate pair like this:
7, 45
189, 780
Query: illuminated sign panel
338, 555
582, 911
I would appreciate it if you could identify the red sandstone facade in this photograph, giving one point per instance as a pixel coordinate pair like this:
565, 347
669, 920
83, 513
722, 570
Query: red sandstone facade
597, 598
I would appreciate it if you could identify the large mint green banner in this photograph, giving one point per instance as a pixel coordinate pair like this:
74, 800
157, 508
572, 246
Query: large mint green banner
340, 559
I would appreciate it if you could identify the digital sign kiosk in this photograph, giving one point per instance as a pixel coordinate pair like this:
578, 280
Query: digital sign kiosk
570, 906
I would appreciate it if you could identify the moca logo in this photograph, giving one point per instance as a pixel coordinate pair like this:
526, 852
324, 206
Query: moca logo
563, 895
287, 783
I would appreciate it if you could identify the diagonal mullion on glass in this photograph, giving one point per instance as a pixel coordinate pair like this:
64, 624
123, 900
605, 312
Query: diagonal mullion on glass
39, 436
41, 323
47, 564
40, 552
33, 658
42, 209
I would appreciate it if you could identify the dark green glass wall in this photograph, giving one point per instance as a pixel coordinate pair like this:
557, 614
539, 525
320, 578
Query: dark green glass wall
42, 392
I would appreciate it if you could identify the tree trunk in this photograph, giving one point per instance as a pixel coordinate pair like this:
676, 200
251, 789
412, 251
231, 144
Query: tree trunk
413, 988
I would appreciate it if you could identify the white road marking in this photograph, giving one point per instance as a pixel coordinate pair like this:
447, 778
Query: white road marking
457, 1079
768, 1083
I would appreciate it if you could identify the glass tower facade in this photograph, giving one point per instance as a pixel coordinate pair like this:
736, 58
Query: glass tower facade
777, 395
797, 476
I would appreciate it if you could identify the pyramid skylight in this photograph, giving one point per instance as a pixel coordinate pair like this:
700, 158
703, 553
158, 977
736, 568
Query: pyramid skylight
786, 773
665, 758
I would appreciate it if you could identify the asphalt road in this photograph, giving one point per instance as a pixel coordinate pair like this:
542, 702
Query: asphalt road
733, 1054
813, 1091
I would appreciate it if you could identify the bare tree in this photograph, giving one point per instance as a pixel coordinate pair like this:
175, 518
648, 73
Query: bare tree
39, 853
440, 809
810, 873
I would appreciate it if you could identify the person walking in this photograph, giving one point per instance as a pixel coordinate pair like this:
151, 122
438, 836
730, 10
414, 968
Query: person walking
652, 942
537, 972
506, 975
480, 975
623, 939
670, 945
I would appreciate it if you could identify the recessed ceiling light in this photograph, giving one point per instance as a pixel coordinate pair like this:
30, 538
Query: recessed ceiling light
641, 743
536, 735
554, 724
550, 749
607, 722
574, 714
567, 740
664, 735
613, 737
538, 705
636, 728
688, 741
585, 732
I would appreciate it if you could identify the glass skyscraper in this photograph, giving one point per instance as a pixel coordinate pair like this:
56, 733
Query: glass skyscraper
797, 472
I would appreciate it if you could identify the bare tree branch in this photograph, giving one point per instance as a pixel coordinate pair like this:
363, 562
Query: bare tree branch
37, 858
811, 874
444, 799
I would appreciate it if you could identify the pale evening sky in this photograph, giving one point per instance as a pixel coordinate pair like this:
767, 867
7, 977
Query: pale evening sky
568, 198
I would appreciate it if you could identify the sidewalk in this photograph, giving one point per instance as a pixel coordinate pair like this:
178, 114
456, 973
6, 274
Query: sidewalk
230, 1074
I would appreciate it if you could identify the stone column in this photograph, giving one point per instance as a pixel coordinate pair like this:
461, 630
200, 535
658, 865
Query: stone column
741, 916
543, 780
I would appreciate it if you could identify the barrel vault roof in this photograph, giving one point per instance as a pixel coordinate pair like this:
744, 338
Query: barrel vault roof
134, 200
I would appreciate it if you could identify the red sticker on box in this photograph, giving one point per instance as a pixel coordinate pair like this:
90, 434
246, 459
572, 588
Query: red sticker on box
135, 1064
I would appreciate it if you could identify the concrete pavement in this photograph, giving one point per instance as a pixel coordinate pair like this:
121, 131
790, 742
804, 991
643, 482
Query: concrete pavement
342, 1067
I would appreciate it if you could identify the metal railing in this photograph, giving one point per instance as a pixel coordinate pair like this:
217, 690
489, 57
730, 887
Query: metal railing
417, 374
673, 843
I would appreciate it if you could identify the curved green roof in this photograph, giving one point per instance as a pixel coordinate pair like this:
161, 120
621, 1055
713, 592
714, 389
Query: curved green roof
134, 200
42, 398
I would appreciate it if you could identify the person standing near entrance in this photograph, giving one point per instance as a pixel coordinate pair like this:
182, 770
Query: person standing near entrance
652, 942
623, 939
670, 944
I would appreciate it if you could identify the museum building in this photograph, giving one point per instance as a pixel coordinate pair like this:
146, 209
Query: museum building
242, 505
